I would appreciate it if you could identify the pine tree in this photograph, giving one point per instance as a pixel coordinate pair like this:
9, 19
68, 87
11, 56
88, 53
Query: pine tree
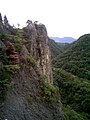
6, 21
29, 22
0, 18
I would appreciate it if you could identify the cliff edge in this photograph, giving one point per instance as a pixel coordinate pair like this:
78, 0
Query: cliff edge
26, 81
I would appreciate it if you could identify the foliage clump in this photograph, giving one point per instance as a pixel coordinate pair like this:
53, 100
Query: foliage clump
7, 66
48, 91
76, 59
74, 92
31, 60
5, 78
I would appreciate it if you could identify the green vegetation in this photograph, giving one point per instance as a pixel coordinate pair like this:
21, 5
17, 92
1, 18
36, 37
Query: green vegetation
72, 75
16, 37
70, 114
32, 62
71, 72
12, 68
7, 68
74, 92
30, 88
3, 36
48, 92
5, 78
63, 46
76, 59
4, 83
55, 48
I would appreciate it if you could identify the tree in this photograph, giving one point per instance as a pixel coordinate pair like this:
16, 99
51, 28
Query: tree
0, 18
35, 22
29, 22
18, 25
6, 21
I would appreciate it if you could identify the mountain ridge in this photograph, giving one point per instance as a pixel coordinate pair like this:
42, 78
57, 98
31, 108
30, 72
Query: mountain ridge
64, 39
78, 48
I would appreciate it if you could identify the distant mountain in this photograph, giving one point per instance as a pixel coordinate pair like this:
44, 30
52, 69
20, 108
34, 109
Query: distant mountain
63, 40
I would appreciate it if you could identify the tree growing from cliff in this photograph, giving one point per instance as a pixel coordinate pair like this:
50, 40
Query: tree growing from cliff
7, 26
29, 22
0, 18
18, 25
5, 20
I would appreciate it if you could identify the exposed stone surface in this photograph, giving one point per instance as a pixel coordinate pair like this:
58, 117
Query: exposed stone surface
24, 53
25, 100
37, 45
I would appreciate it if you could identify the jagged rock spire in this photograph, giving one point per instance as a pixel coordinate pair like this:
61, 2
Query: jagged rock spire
38, 47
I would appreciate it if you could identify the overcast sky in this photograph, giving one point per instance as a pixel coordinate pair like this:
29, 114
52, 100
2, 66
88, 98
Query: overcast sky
61, 17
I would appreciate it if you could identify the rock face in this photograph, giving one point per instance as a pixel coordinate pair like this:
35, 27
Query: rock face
31, 95
37, 45
24, 100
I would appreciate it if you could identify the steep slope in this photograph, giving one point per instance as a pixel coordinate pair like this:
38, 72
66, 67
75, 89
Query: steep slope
72, 75
75, 95
57, 48
26, 82
63, 46
76, 59
54, 48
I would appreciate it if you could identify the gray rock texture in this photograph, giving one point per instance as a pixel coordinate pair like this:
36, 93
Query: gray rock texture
24, 102
37, 45
26, 99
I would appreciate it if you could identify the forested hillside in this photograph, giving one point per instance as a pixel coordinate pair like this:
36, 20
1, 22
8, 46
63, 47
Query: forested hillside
72, 75
76, 59
55, 48
63, 46
75, 95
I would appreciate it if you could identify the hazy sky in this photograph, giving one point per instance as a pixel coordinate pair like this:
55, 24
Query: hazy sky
61, 17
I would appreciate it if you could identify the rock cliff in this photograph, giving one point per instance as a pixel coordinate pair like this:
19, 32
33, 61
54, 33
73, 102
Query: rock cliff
26, 83
37, 45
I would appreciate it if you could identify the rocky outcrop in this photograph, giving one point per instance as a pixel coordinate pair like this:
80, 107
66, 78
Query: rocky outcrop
31, 95
25, 101
37, 45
